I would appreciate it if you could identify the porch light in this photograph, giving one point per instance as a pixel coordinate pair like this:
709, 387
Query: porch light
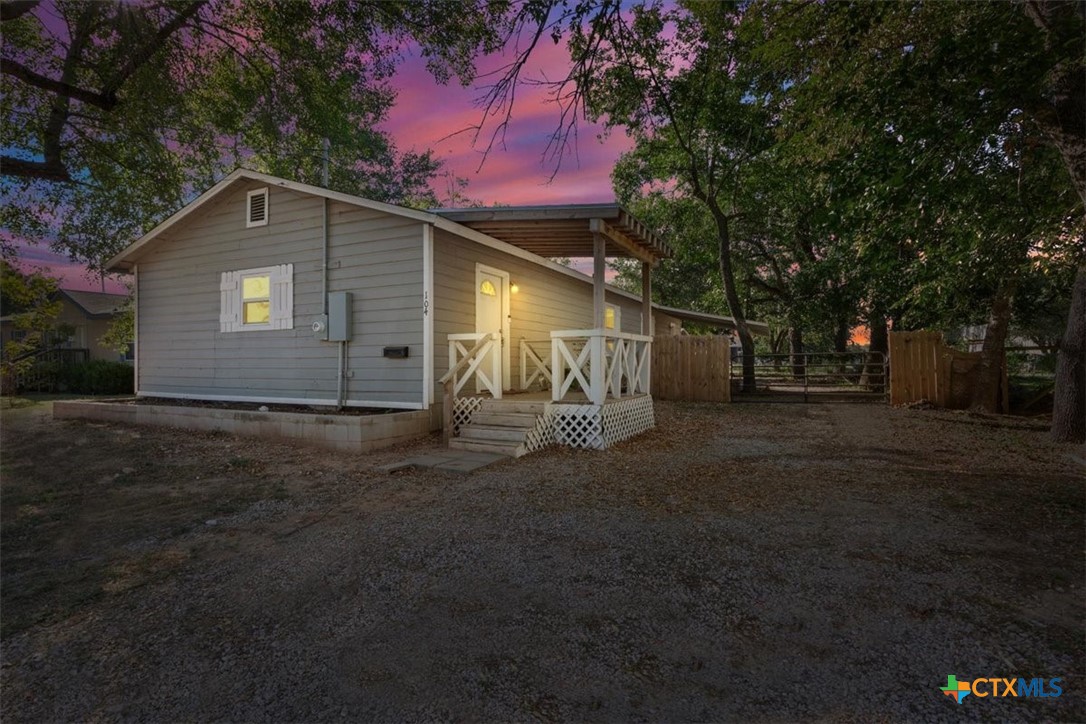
514, 288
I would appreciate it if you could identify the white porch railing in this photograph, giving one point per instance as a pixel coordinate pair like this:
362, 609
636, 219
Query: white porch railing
604, 363
470, 361
535, 364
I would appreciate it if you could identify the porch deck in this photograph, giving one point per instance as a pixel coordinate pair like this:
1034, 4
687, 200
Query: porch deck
570, 398
598, 392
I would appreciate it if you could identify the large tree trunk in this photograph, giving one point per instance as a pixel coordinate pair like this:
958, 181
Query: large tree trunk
841, 335
731, 293
989, 384
795, 348
874, 375
1069, 402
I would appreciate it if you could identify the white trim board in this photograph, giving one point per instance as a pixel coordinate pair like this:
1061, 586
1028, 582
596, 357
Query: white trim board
136, 328
328, 402
427, 314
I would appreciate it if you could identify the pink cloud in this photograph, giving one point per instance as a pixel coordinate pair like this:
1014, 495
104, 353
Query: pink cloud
429, 115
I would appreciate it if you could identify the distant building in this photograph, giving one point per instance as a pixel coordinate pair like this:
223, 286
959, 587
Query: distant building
88, 315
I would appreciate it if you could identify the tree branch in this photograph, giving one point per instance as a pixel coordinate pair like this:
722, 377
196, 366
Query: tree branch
145, 53
16, 9
17, 70
45, 170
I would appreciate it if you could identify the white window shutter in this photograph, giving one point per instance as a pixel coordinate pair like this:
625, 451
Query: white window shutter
230, 302
282, 297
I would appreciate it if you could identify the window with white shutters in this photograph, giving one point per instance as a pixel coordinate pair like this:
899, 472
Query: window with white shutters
256, 299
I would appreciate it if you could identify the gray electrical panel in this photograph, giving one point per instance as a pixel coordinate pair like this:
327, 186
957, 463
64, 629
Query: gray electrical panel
339, 316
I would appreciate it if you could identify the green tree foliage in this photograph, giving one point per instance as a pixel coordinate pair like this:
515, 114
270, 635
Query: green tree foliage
115, 113
31, 302
673, 82
121, 332
936, 124
911, 160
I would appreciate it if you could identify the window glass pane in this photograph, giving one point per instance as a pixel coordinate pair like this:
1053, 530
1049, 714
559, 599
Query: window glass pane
609, 318
257, 312
256, 287
487, 288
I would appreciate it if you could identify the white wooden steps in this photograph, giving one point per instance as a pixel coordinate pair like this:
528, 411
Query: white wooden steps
506, 427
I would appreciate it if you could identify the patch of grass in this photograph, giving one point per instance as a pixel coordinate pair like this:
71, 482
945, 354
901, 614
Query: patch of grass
7, 402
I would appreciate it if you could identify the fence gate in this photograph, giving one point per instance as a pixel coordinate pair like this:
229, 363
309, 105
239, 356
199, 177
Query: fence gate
923, 367
691, 368
813, 377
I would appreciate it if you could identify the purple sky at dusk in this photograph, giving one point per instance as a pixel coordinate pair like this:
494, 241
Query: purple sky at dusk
426, 115
514, 173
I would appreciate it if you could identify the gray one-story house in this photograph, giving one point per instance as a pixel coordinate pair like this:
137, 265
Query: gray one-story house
266, 290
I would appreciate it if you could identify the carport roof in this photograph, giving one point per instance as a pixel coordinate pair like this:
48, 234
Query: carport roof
715, 320
564, 230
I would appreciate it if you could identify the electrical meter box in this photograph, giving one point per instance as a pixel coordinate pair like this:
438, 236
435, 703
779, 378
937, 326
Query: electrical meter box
320, 326
339, 316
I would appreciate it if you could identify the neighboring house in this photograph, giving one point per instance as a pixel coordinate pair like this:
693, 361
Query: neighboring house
266, 290
87, 314
972, 337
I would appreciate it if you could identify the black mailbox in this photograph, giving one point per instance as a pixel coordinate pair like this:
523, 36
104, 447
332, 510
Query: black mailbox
396, 352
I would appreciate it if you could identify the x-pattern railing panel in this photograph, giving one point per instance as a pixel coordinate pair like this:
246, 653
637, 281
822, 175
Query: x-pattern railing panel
609, 364
542, 367
478, 353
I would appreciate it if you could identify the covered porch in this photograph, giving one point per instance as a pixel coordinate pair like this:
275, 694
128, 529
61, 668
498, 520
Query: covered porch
587, 368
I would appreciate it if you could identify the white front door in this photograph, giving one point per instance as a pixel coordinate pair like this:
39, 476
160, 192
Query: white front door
492, 315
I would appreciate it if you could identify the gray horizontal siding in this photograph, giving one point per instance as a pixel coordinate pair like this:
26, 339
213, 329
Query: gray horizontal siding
376, 256
547, 300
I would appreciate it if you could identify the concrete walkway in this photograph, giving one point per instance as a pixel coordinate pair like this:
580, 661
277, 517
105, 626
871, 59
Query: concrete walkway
451, 461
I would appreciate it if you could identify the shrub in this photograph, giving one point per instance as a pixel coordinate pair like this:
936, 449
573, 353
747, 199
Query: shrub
98, 377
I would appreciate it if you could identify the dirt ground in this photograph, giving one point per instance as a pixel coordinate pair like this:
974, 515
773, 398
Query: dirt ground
740, 562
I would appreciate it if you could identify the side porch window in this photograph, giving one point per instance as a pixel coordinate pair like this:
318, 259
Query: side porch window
612, 317
257, 299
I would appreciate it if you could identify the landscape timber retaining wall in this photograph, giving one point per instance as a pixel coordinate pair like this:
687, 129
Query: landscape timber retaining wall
349, 433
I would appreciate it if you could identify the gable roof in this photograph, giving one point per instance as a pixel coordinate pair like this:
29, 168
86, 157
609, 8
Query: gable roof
96, 304
124, 260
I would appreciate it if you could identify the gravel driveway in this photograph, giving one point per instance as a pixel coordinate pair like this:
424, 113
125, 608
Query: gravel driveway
741, 562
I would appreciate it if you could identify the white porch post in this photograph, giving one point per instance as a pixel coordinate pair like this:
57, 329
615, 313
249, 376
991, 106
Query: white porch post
646, 298
599, 269
558, 375
597, 379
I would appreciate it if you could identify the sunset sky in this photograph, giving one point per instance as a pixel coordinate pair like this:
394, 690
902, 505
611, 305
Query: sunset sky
428, 115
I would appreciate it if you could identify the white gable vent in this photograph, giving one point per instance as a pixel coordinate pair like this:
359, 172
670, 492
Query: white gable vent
257, 208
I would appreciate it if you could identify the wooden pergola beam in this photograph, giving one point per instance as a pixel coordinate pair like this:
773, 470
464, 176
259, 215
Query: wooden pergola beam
631, 247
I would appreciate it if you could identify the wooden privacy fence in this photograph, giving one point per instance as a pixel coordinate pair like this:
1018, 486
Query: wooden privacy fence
923, 367
691, 368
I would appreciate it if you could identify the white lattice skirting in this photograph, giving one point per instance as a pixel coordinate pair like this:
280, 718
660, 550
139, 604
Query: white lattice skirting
598, 427
463, 409
542, 435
